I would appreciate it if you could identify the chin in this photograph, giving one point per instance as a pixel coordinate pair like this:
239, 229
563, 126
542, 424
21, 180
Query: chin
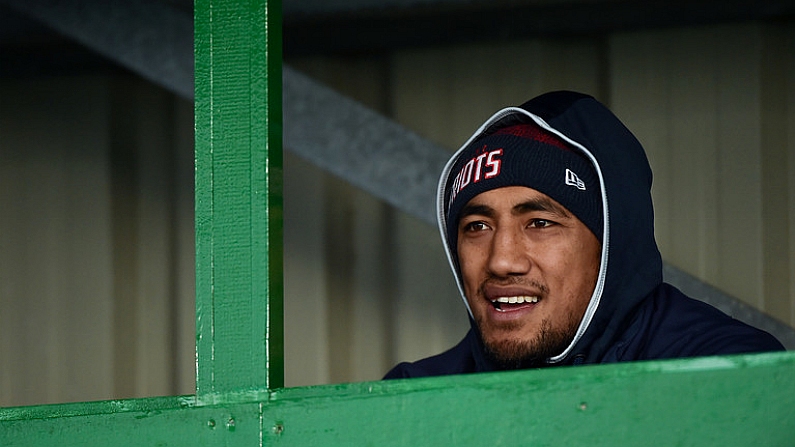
512, 354
530, 352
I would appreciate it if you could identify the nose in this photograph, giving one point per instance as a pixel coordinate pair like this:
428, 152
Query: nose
509, 255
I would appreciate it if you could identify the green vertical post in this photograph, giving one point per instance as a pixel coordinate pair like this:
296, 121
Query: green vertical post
239, 285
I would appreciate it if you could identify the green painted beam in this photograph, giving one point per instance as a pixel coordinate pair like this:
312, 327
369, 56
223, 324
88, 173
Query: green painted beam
142, 422
239, 284
718, 401
726, 401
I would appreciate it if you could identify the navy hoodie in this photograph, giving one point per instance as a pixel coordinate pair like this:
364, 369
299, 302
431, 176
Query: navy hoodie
632, 314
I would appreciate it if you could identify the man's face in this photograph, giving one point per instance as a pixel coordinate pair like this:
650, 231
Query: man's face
529, 267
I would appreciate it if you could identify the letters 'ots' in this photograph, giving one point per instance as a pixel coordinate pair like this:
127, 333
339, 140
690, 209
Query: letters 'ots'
484, 166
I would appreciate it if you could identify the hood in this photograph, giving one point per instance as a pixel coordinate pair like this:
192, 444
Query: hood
631, 266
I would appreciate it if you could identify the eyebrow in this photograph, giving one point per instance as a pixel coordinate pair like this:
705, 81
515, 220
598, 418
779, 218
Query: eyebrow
477, 210
540, 204
535, 204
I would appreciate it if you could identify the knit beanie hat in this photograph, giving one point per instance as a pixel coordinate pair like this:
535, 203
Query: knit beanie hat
524, 155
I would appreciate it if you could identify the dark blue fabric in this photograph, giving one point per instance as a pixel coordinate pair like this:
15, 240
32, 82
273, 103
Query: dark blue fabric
639, 317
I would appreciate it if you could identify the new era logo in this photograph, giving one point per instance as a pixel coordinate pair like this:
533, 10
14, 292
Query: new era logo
573, 180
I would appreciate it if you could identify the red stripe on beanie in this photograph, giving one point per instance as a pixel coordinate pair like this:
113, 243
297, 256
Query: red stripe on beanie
532, 131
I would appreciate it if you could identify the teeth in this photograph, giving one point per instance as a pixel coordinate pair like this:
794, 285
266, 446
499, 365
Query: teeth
516, 299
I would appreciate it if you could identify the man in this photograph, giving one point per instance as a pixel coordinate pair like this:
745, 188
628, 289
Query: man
547, 220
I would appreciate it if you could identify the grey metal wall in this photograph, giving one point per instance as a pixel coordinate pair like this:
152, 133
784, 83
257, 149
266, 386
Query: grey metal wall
96, 240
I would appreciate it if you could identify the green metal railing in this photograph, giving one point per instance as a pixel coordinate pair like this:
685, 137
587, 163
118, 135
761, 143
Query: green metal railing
239, 400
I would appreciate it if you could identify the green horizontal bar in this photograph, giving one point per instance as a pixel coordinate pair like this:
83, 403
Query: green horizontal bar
104, 425
727, 401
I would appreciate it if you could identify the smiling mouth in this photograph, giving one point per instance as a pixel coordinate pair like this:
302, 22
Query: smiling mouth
510, 303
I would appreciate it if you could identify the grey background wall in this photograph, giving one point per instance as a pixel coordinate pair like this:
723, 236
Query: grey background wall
96, 220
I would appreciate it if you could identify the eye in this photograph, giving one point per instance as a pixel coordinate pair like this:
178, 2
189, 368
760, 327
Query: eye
475, 226
540, 223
